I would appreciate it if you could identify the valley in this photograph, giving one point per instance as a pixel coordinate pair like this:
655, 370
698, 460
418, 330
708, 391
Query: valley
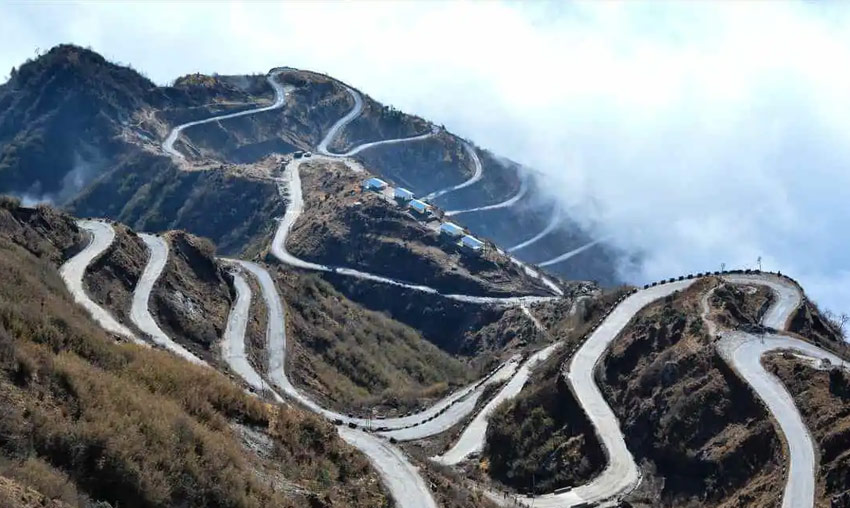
339, 339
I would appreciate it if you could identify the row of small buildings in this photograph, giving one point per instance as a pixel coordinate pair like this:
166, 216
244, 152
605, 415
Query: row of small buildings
422, 209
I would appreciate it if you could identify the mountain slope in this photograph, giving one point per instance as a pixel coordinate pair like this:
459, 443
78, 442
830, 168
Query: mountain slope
79, 405
79, 131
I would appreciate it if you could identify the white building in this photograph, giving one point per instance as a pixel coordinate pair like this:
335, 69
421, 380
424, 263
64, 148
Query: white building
374, 184
451, 229
420, 207
402, 194
472, 243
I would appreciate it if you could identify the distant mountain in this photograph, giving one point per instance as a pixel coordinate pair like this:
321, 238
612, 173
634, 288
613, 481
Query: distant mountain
85, 134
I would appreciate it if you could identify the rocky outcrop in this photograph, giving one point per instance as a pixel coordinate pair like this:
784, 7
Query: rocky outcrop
684, 413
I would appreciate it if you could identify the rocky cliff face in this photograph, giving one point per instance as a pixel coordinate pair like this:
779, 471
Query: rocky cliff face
696, 426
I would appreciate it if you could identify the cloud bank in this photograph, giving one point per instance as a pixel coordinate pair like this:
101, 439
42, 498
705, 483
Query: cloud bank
695, 134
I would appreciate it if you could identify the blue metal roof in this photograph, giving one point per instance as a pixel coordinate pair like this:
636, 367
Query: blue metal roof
375, 182
420, 206
471, 241
452, 228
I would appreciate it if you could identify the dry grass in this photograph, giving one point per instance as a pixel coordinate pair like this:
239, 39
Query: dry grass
139, 427
355, 358
823, 398
686, 414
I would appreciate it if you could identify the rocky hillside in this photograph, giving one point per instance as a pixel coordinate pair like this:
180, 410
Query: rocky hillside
370, 231
703, 436
89, 422
81, 132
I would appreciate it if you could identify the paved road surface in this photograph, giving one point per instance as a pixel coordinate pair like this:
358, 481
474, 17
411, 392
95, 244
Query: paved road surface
102, 236
456, 405
279, 101
553, 223
406, 485
233, 343
743, 351
345, 120
567, 255
788, 296
477, 173
523, 188
473, 437
290, 186
403, 480
621, 473
140, 313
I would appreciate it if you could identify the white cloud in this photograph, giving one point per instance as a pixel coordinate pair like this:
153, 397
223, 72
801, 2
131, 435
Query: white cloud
695, 133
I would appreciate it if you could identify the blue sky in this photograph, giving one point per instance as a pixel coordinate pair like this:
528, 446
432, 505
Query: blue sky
694, 133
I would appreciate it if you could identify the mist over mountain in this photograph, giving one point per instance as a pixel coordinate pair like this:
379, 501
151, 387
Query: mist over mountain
674, 129
567, 255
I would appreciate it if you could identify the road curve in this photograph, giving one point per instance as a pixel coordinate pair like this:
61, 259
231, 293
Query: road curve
553, 223
140, 313
401, 477
279, 101
333, 132
233, 342
102, 236
788, 296
473, 437
567, 255
290, 186
621, 473
436, 418
743, 352
477, 173
523, 188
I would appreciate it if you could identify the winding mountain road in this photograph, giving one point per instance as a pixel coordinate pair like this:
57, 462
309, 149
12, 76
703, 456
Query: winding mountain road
621, 473
140, 313
567, 255
233, 344
290, 187
472, 439
279, 101
477, 173
744, 351
333, 132
102, 236
401, 477
511, 201
554, 220
436, 418
741, 350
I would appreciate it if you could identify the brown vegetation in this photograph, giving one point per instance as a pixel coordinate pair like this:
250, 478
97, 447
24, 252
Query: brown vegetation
541, 440
133, 426
354, 358
823, 398
375, 123
111, 278
344, 226
191, 300
686, 415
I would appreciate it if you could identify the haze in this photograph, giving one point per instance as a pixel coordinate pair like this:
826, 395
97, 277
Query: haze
693, 134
